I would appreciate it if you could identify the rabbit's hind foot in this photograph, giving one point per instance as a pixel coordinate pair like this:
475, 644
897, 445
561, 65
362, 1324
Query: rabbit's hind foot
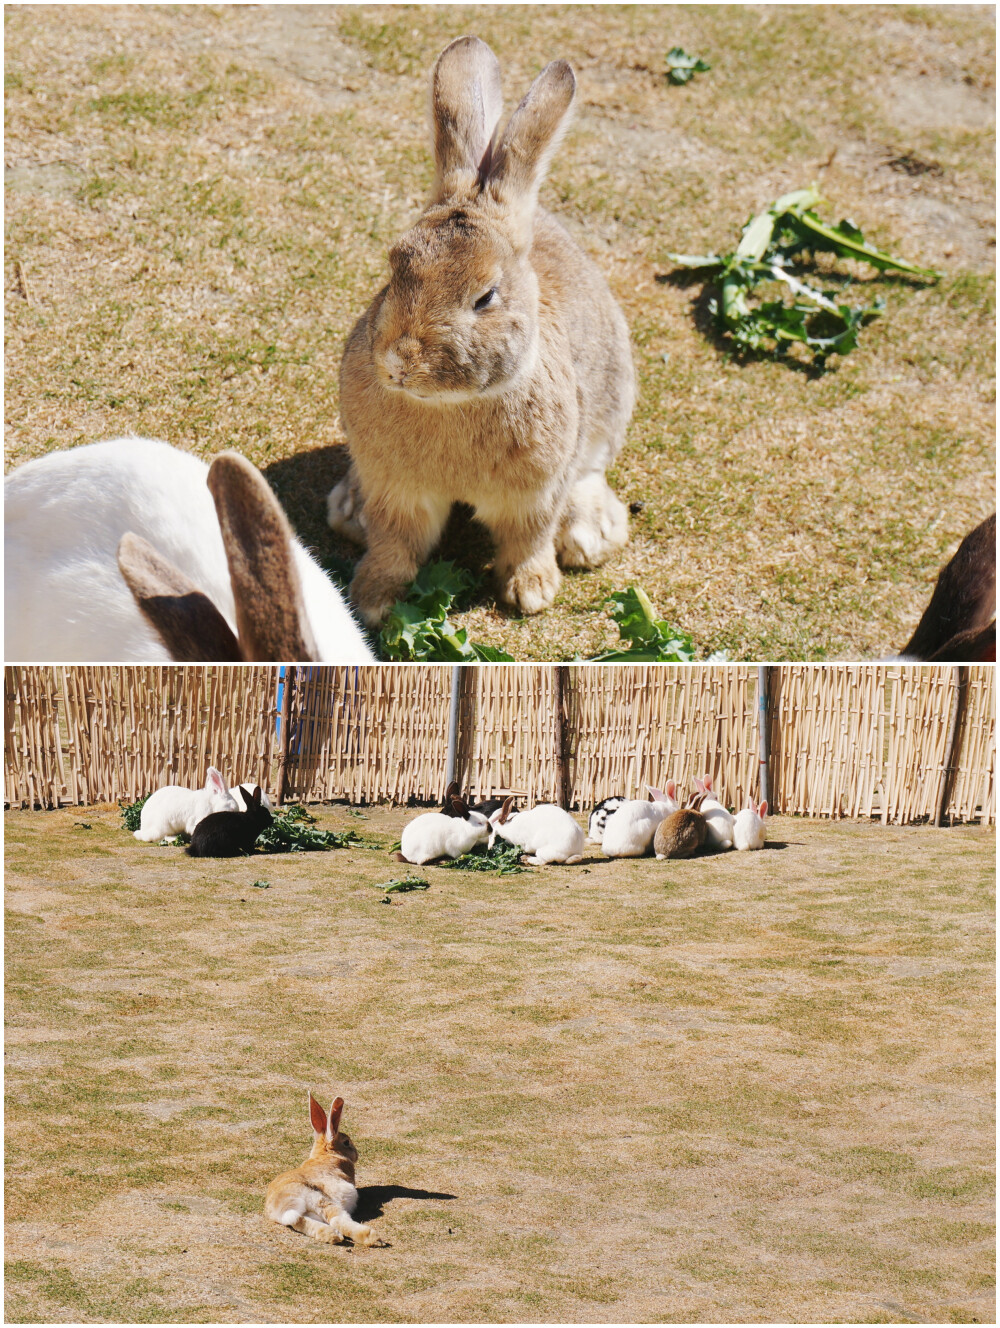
345, 510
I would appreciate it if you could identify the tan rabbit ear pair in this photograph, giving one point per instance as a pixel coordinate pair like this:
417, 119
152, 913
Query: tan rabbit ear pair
466, 104
327, 1126
271, 620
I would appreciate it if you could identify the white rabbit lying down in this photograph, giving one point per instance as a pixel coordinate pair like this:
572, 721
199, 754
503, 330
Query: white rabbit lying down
749, 828
435, 835
630, 828
546, 832
214, 570
720, 821
173, 810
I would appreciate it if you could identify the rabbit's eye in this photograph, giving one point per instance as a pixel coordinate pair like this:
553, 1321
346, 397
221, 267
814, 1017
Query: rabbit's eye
486, 300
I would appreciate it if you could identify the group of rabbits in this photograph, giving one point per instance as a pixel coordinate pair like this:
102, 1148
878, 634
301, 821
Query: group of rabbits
210, 816
623, 827
493, 369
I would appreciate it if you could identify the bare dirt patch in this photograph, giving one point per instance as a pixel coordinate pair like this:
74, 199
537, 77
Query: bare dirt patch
201, 199
747, 1088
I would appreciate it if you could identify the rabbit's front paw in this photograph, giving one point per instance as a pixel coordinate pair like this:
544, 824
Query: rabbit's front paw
345, 512
374, 593
531, 587
595, 525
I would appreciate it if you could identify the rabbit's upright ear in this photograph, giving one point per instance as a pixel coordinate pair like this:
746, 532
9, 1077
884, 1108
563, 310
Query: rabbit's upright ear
762, 810
317, 1115
215, 779
333, 1124
527, 144
452, 791
460, 807
505, 810
185, 619
466, 103
246, 797
270, 613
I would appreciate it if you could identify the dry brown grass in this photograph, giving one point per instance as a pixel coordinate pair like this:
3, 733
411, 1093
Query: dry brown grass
749, 1088
200, 202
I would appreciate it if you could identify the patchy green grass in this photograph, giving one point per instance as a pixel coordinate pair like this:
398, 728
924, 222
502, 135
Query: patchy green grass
200, 201
745, 1088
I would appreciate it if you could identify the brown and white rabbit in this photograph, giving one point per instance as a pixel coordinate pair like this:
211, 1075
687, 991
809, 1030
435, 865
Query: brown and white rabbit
319, 1197
494, 369
682, 833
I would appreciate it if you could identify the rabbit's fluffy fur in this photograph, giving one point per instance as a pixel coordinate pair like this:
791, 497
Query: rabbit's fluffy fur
546, 832
68, 513
318, 1197
173, 810
494, 368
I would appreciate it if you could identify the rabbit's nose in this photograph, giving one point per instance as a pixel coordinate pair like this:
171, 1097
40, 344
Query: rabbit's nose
395, 367
401, 358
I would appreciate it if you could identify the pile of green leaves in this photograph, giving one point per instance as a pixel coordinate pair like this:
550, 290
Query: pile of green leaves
681, 67
502, 859
822, 322
418, 627
407, 883
291, 831
132, 812
646, 639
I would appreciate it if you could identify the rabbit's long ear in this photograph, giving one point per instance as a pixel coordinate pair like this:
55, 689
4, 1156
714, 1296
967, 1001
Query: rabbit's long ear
505, 810
333, 1124
762, 809
184, 618
531, 137
246, 797
453, 790
317, 1115
214, 779
460, 807
466, 103
270, 613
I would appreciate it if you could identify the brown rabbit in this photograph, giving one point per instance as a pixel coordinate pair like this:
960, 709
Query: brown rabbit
319, 1197
494, 368
959, 624
683, 833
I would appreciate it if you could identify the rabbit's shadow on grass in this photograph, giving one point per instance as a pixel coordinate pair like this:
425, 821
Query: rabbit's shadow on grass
302, 482
373, 1198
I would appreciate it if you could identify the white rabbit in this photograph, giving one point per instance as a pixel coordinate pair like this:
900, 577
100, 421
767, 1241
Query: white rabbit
720, 821
599, 818
248, 789
749, 830
435, 835
173, 810
630, 830
546, 832
224, 580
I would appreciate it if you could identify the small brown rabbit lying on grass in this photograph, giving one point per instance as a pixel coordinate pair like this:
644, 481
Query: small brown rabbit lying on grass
319, 1197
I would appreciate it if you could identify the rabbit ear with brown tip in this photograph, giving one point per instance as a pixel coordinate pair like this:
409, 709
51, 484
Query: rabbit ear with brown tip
185, 619
466, 103
527, 144
271, 620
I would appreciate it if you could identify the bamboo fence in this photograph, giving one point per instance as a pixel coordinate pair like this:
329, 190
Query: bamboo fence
899, 744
